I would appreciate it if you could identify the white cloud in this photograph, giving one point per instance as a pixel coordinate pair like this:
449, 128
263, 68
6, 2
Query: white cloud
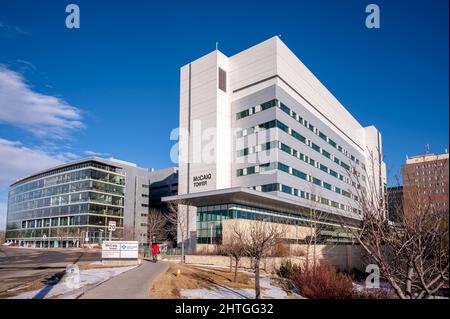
11, 31
42, 115
17, 160
99, 154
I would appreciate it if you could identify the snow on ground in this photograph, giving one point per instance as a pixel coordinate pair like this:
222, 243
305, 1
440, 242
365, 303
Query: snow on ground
221, 292
64, 290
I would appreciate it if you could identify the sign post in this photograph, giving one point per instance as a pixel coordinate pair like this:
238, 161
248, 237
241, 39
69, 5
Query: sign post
111, 228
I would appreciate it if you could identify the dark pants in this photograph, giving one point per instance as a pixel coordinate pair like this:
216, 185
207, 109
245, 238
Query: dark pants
155, 257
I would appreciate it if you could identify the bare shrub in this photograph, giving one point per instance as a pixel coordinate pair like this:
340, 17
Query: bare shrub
280, 249
322, 282
287, 269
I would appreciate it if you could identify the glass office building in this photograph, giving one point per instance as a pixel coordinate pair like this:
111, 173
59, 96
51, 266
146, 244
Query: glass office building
67, 206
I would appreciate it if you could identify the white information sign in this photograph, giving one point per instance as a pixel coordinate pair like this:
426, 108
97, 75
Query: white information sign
120, 250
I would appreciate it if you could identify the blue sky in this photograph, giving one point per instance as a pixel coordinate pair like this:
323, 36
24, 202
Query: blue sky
112, 86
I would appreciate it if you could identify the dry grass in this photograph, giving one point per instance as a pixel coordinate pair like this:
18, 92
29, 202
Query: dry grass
168, 285
35, 285
97, 266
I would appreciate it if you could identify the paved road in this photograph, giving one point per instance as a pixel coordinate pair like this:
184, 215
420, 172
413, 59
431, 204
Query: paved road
133, 284
20, 266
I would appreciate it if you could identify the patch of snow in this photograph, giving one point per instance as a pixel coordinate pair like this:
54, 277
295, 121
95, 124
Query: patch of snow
268, 291
61, 290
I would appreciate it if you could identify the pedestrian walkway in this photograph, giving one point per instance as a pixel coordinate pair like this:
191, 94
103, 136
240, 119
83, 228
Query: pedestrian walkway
133, 284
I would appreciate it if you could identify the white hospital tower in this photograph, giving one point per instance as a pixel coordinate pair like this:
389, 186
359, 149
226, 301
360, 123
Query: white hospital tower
263, 138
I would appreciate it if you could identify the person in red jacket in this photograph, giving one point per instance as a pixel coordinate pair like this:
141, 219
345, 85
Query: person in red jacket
155, 249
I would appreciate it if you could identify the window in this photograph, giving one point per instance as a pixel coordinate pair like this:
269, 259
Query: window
222, 80
282, 126
298, 136
326, 154
346, 194
315, 147
269, 187
322, 136
268, 105
242, 114
324, 168
285, 148
243, 152
317, 181
267, 125
327, 186
333, 173
266, 167
63, 221
332, 143
283, 167
298, 173
286, 189
285, 109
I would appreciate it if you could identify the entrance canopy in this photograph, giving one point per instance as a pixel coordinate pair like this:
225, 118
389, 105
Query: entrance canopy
257, 199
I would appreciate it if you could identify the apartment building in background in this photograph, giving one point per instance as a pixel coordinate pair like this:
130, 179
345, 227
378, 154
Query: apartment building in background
425, 181
263, 138
72, 204
394, 201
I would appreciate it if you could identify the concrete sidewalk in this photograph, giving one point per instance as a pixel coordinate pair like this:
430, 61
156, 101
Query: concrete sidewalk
133, 284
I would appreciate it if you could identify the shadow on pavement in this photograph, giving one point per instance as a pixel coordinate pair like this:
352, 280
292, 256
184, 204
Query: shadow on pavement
49, 285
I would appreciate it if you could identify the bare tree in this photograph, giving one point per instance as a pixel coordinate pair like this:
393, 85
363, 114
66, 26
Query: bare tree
234, 247
178, 216
413, 254
258, 238
128, 234
156, 224
314, 227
